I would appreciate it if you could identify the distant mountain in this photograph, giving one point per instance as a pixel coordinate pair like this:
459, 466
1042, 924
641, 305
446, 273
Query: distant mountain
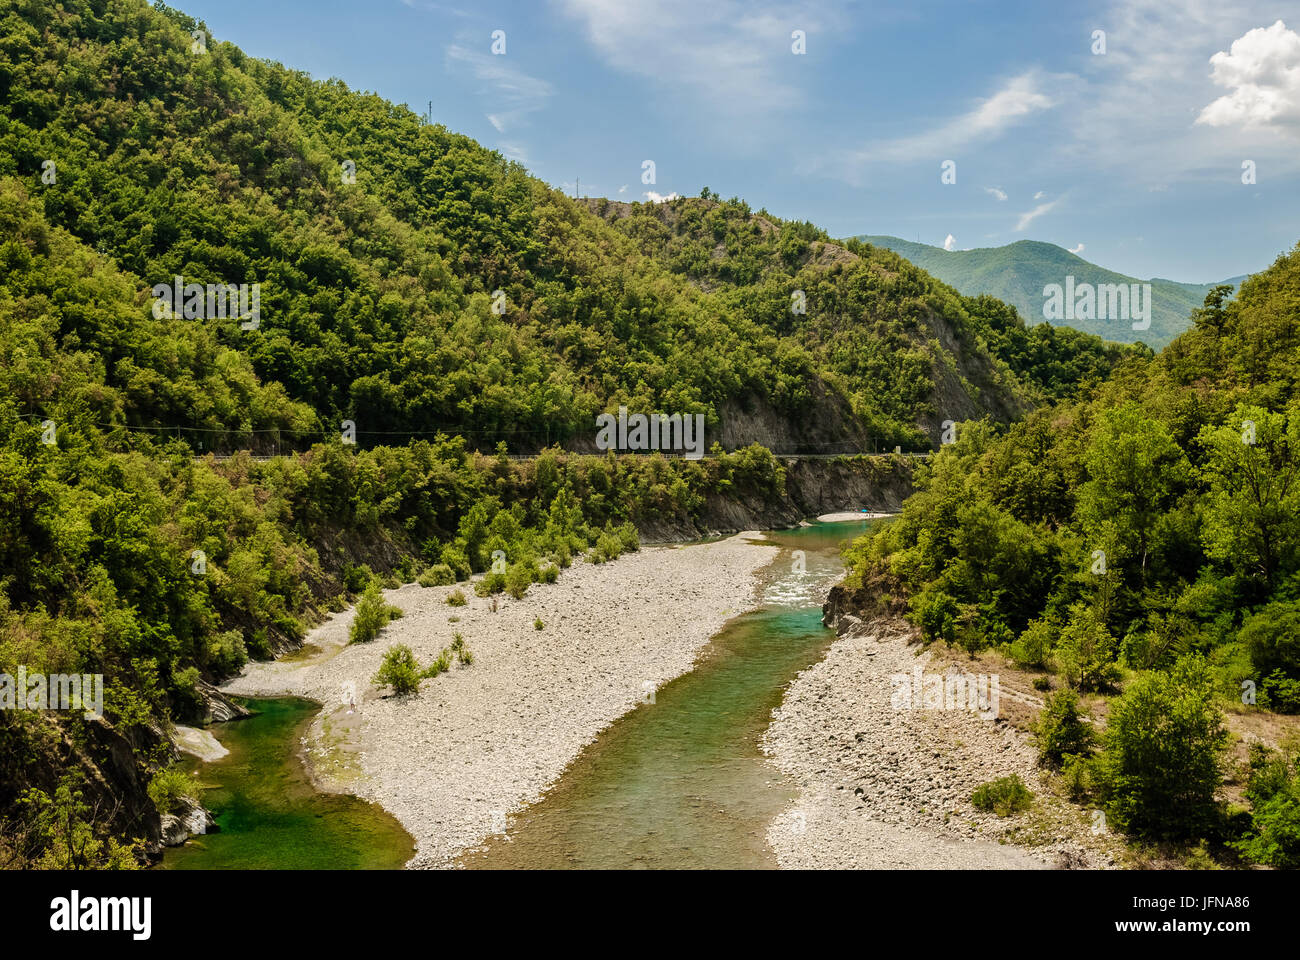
1018, 272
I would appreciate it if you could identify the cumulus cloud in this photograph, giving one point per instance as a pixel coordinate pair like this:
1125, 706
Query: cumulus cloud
1078, 249
659, 197
949, 242
996, 192
1261, 71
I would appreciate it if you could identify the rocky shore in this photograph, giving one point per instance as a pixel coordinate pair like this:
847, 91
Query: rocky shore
887, 786
454, 763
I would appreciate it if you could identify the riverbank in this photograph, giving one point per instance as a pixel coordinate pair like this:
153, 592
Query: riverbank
481, 742
882, 787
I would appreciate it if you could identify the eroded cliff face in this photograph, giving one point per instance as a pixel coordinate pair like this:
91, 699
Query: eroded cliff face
812, 487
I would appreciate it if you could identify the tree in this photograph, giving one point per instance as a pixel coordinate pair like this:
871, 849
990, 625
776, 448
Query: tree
1161, 762
1252, 508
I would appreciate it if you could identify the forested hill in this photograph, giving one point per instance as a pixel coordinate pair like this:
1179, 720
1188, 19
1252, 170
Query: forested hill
378, 298
1018, 272
1146, 541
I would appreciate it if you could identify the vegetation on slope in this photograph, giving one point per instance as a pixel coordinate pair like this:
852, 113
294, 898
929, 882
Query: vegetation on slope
1145, 539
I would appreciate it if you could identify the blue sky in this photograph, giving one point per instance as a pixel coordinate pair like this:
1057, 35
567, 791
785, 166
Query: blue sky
1135, 153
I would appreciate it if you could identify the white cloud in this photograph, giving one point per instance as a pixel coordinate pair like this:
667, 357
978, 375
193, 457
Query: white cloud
623, 189
1262, 71
996, 192
949, 242
518, 93
1027, 218
1078, 249
1015, 101
731, 53
659, 197
1039, 195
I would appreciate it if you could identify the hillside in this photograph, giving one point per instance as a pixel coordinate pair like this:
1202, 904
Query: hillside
1139, 552
454, 309
1018, 272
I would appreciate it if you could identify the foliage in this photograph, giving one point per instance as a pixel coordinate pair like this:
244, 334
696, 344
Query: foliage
1005, 796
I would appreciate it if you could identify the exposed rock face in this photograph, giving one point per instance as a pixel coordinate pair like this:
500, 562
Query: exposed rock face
812, 487
190, 821
217, 707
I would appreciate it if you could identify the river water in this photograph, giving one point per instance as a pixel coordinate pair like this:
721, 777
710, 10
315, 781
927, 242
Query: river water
677, 783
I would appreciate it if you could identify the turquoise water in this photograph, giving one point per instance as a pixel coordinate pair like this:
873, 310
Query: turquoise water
682, 782
270, 815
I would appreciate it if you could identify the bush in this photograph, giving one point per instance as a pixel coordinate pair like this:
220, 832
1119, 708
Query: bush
356, 578
1272, 637
537, 624
608, 547
170, 787
372, 615
456, 598
1033, 647
1280, 693
1087, 651
1160, 764
1062, 733
440, 664
463, 655
1005, 796
399, 670
227, 653
437, 575
490, 584
1273, 789
518, 579
548, 574
456, 558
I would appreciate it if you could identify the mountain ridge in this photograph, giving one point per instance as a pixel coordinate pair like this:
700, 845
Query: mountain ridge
1017, 272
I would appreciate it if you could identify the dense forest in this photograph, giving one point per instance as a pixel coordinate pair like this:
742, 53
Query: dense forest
1141, 547
450, 306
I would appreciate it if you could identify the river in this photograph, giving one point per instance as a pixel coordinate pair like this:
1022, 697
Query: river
679, 782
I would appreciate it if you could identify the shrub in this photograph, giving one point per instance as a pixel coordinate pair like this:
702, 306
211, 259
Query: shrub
1034, 646
1160, 764
1061, 731
456, 598
227, 653
1087, 651
1280, 693
170, 787
437, 575
607, 547
356, 578
440, 664
1272, 637
456, 558
490, 583
548, 574
1005, 796
518, 579
1273, 789
463, 655
399, 670
537, 624
372, 615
